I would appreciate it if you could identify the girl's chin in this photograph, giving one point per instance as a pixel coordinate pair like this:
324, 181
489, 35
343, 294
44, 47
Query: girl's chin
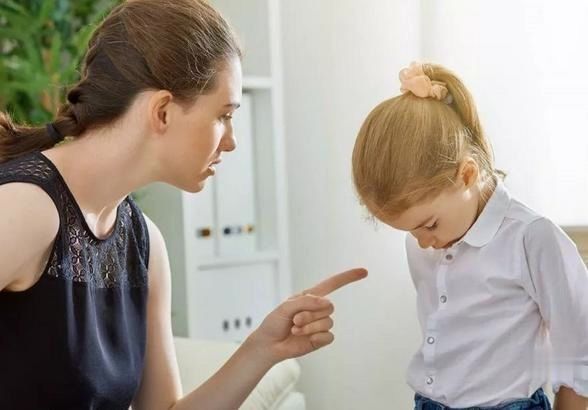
450, 244
446, 246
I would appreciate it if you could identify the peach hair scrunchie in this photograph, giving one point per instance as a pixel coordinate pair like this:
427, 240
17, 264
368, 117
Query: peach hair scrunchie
413, 79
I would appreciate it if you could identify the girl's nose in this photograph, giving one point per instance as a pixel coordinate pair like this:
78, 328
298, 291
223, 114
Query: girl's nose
424, 241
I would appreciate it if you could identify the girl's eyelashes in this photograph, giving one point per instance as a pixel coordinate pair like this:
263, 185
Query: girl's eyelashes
227, 117
431, 227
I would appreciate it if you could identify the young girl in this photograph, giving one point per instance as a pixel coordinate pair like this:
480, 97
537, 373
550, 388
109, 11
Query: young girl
495, 281
84, 277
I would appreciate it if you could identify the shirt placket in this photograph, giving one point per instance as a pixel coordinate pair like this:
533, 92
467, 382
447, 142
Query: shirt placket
433, 329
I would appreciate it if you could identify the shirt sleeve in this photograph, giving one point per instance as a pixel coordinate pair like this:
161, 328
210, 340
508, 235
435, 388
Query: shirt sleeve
559, 285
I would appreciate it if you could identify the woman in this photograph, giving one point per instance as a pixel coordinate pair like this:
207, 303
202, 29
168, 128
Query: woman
85, 281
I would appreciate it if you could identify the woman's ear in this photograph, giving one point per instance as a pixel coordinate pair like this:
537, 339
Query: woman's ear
159, 111
468, 172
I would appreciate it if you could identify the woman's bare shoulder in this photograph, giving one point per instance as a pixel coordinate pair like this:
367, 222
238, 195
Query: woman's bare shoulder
29, 222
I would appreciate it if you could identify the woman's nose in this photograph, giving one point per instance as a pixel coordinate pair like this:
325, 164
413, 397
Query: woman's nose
229, 142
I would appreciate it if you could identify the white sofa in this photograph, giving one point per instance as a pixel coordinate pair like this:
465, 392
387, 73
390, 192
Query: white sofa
199, 359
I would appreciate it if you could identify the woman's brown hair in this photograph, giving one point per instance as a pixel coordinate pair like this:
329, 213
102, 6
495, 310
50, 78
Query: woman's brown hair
175, 45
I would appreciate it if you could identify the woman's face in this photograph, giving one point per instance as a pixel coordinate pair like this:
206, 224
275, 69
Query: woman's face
200, 133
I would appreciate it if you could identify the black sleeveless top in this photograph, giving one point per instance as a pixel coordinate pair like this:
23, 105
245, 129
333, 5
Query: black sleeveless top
76, 339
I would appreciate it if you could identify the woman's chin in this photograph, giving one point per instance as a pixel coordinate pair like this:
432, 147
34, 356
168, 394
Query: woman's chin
196, 186
193, 185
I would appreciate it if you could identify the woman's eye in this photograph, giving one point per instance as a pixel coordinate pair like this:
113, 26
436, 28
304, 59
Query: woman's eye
432, 227
227, 117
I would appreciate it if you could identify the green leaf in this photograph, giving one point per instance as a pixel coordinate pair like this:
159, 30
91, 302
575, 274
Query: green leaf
18, 21
47, 11
42, 43
6, 32
55, 54
13, 6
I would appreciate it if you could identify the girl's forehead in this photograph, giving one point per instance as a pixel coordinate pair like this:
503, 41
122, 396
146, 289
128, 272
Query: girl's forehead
420, 214
413, 218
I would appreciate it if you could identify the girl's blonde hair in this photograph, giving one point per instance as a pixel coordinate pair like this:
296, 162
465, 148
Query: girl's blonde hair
409, 148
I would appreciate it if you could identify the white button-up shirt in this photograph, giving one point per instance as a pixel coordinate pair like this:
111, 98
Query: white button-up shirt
498, 308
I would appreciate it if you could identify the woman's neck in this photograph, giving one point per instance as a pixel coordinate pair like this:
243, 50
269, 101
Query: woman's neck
101, 169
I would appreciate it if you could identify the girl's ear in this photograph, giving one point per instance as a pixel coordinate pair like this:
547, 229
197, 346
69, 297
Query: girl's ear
468, 172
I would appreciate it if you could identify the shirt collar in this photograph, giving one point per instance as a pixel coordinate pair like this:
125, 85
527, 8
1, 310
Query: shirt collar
490, 220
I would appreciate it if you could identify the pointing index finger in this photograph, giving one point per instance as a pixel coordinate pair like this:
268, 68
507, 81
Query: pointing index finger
337, 281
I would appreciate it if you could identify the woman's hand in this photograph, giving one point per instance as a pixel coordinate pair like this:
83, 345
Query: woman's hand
302, 323
298, 326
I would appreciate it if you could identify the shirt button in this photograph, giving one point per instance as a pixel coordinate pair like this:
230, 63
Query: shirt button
429, 380
431, 340
443, 299
449, 257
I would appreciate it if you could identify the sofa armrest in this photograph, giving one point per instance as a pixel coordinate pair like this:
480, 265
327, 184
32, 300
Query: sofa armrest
200, 359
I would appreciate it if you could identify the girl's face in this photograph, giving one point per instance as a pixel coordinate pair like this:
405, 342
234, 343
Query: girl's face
441, 222
198, 135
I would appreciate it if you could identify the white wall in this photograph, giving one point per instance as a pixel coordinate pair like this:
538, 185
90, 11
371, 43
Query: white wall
525, 62
340, 59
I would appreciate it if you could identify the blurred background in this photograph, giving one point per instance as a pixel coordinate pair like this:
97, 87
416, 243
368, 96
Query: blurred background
313, 70
41, 44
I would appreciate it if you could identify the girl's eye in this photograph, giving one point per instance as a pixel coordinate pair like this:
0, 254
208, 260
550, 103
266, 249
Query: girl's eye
227, 117
432, 227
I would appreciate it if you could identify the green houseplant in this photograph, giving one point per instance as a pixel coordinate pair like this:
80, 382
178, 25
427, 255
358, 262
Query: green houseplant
41, 45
